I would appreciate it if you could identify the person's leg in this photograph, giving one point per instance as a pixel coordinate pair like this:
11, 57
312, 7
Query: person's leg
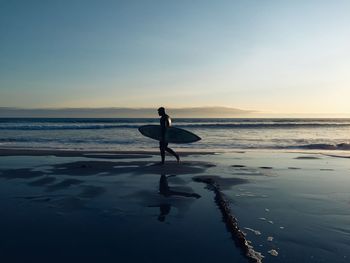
173, 153
162, 151
163, 185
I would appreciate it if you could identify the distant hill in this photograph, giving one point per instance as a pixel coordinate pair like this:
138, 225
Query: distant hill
195, 112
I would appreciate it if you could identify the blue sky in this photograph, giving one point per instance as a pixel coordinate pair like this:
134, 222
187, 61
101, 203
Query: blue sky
273, 56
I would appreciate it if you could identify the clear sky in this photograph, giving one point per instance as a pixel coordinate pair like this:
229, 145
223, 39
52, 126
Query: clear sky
272, 56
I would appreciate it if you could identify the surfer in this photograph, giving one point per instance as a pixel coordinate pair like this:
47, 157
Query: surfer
165, 122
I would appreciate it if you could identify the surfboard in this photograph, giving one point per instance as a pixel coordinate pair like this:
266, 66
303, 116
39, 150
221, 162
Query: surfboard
173, 134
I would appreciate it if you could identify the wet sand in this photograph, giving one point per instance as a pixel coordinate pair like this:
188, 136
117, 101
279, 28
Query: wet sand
92, 154
123, 206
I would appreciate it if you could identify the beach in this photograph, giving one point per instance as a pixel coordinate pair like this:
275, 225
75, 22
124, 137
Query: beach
174, 131
122, 206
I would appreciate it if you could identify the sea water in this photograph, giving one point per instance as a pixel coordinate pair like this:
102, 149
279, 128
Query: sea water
216, 134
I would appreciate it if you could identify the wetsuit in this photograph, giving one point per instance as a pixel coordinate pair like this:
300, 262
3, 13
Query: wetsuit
165, 122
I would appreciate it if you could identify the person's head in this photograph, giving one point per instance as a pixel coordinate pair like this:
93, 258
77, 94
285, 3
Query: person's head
161, 111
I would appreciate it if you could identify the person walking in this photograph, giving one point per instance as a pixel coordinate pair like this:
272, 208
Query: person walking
165, 123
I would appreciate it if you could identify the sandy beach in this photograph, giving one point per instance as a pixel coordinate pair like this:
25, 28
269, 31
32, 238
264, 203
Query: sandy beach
122, 206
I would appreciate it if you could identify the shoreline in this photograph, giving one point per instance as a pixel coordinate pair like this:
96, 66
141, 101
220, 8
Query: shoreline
90, 153
150, 153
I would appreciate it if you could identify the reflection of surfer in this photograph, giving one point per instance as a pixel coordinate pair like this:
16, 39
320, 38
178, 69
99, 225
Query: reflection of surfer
165, 190
164, 211
165, 122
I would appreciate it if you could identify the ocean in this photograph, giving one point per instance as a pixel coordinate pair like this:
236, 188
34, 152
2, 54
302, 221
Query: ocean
216, 134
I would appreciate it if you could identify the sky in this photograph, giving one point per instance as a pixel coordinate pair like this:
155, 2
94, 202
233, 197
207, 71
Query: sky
271, 56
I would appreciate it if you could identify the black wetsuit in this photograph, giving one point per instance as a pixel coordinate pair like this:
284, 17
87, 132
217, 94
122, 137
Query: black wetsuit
165, 122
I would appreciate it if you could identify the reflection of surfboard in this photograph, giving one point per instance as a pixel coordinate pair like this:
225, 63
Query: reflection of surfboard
173, 135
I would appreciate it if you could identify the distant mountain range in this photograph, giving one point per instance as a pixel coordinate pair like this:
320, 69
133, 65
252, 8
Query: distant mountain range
195, 112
